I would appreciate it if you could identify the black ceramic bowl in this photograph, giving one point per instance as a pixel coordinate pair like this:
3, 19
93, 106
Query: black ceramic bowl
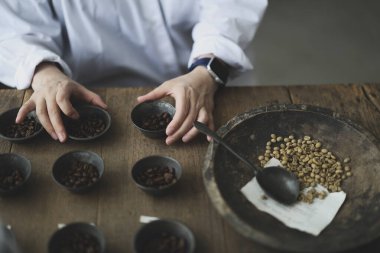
93, 123
140, 173
15, 170
85, 163
143, 113
7, 132
156, 234
64, 239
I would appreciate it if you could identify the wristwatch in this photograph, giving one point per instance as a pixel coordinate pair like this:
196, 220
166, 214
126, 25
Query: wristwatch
217, 69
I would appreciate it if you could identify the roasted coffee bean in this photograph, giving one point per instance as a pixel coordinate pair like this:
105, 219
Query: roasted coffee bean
10, 178
27, 128
165, 243
157, 121
79, 243
157, 176
86, 126
80, 174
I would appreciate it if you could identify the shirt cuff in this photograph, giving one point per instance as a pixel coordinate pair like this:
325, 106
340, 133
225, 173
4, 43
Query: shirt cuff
25, 70
224, 49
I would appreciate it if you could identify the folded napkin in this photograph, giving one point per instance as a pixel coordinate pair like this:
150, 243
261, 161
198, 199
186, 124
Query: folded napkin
309, 218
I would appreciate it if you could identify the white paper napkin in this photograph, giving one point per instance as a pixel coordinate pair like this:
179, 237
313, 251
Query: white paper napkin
309, 218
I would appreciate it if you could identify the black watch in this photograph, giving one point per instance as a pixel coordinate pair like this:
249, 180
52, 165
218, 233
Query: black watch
217, 69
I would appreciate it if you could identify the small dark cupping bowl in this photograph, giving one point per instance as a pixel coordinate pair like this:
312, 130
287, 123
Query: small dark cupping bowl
8, 163
8, 118
155, 229
156, 161
84, 111
146, 109
66, 161
62, 236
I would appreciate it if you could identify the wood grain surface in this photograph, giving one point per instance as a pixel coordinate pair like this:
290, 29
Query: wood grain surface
116, 204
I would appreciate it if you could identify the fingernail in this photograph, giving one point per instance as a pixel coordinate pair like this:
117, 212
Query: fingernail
185, 138
61, 137
169, 130
169, 141
54, 136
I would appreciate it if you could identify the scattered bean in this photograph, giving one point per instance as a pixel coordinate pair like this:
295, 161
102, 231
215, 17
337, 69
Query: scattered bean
310, 162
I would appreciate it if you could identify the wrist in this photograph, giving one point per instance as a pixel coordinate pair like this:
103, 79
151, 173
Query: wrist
204, 77
216, 68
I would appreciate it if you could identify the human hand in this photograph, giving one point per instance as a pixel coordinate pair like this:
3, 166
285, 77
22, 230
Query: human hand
52, 93
194, 100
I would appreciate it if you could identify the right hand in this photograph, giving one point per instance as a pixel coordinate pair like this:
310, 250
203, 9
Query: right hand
52, 93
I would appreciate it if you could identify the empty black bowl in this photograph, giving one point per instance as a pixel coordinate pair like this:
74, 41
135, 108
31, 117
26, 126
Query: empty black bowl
15, 170
147, 117
13, 132
83, 234
159, 234
93, 123
85, 167
154, 181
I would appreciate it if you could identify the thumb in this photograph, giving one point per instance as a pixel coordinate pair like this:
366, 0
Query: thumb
91, 97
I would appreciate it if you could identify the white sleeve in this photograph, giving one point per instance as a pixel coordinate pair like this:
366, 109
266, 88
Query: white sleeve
30, 34
225, 28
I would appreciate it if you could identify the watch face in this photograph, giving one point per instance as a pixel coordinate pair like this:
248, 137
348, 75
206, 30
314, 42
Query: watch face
219, 69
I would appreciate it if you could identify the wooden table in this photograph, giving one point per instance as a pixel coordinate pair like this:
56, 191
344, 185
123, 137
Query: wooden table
116, 205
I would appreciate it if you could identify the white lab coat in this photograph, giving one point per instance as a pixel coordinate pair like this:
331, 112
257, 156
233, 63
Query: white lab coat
122, 42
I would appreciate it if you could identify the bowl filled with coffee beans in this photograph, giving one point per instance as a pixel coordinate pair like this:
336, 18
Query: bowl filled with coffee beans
78, 171
164, 236
13, 132
92, 123
78, 237
152, 118
156, 174
15, 171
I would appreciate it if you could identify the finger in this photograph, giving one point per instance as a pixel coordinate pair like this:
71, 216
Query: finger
185, 126
64, 103
203, 117
155, 94
24, 110
211, 125
91, 97
182, 107
55, 118
44, 118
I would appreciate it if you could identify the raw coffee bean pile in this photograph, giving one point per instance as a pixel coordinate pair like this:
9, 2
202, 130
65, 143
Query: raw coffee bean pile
312, 163
80, 174
157, 176
86, 126
10, 180
156, 121
165, 243
80, 243
27, 128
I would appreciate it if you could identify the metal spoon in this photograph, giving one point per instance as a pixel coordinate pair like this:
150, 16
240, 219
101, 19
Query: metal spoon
277, 182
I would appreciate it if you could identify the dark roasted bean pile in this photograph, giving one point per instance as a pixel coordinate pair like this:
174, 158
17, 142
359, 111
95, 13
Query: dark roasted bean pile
156, 121
10, 180
27, 128
165, 243
86, 126
80, 243
157, 176
81, 174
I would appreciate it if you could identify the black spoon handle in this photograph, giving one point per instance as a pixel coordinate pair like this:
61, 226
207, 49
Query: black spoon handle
205, 130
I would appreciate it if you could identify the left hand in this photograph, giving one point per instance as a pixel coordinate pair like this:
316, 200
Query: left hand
194, 100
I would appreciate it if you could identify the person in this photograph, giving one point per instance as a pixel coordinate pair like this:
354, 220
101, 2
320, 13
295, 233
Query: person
58, 46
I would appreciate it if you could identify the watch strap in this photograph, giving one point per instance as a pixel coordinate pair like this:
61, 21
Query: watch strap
217, 69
